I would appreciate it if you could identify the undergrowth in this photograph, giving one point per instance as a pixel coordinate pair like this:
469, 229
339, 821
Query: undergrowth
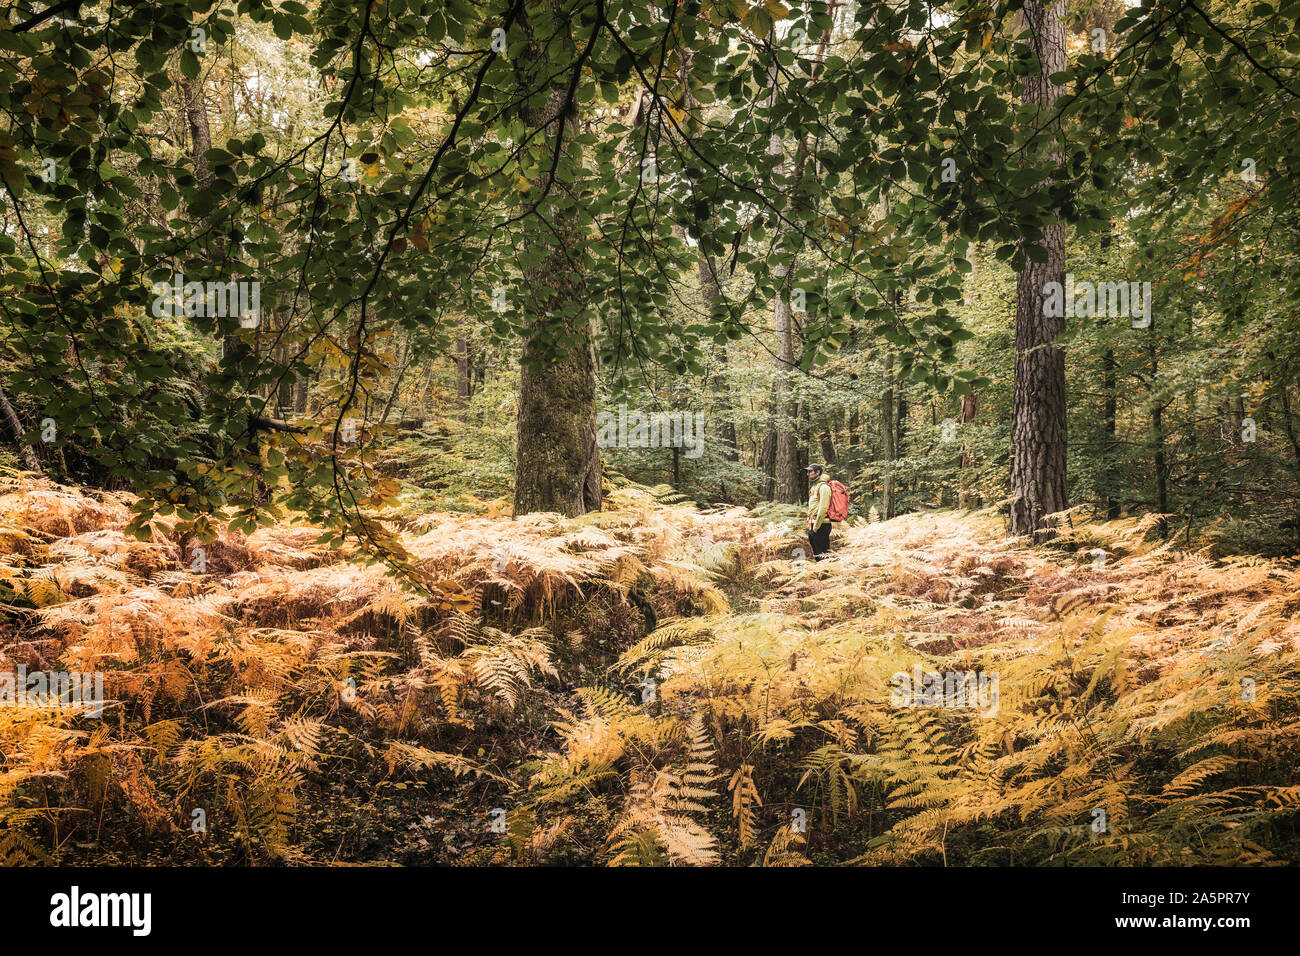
651, 684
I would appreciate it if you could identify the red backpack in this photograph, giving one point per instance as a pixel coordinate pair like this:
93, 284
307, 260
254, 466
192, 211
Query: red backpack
839, 509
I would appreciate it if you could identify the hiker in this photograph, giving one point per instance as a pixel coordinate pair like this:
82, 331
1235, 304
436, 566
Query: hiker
819, 506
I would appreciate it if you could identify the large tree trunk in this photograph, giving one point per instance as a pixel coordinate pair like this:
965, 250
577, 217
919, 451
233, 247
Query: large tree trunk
557, 461
786, 475
1038, 431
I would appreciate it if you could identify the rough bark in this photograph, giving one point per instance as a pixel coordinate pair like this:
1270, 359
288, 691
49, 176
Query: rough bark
29, 454
788, 474
557, 460
785, 471
196, 120
1038, 435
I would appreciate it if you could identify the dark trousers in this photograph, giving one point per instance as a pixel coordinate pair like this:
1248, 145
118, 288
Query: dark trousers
820, 539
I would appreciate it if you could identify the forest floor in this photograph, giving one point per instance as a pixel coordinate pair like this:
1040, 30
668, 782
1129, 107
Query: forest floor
653, 683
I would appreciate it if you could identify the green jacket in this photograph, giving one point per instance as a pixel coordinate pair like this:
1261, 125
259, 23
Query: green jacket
819, 501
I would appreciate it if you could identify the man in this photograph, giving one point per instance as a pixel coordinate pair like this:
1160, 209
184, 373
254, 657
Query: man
819, 506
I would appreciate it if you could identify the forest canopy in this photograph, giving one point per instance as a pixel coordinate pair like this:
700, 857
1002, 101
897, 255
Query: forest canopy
611, 198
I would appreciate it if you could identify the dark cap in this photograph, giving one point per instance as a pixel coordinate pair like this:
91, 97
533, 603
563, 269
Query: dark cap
814, 468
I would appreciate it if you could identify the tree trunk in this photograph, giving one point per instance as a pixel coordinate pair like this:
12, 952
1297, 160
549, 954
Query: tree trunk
1289, 427
802, 463
900, 420
828, 447
1038, 432
710, 292
464, 384
194, 104
557, 460
11, 416
969, 408
1108, 415
1158, 437
786, 454
887, 436
196, 119
855, 421
1162, 469
786, 473
767, 464
284, 388
402, 365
